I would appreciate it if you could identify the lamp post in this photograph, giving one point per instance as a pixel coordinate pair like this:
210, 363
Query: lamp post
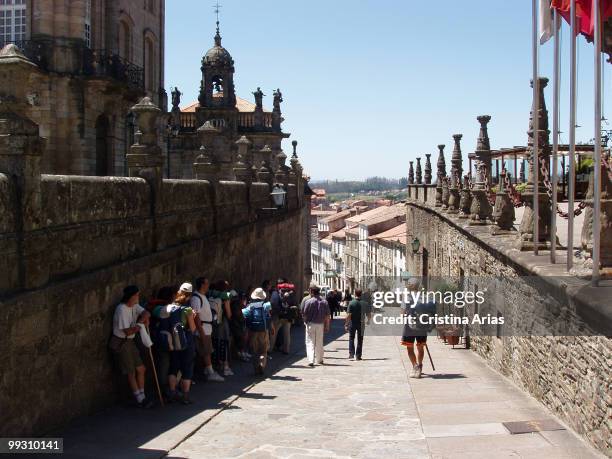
415, 245
279, 196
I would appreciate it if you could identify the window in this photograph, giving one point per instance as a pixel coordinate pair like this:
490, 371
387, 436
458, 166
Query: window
12, 21
150, 68
87, 30
125, 41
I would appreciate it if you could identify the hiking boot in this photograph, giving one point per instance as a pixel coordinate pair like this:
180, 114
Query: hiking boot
359, 358
215, 377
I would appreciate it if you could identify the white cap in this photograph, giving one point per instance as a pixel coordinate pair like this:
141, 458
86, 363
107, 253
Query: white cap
186, 287
258, 294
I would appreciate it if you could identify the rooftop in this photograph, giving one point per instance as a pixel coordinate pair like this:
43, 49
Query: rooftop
241, 104
337, 216
356, 219
395, 234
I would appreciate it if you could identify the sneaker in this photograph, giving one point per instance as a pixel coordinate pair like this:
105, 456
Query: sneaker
215, 377
228, 372
414, 371
186, 400
351, 357
358, 358
311, 365
419, 370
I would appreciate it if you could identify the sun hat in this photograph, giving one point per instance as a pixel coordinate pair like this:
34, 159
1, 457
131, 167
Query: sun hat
258, 294
186, 287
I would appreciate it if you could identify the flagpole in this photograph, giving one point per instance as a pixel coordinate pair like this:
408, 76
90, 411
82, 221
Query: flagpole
597, 149
553, 215
572, 140
536, 134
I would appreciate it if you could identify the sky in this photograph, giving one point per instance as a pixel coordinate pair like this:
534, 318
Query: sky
369, 85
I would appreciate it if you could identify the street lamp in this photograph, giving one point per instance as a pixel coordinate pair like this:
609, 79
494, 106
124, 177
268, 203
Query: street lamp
279, 196
416, 245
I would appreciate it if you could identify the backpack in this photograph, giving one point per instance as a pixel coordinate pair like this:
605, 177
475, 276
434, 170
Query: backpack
257, 321
172, 334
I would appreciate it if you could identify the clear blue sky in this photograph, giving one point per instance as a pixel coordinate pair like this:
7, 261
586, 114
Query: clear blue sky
369, 85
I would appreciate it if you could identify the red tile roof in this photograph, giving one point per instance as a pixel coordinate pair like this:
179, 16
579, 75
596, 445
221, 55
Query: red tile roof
241, 104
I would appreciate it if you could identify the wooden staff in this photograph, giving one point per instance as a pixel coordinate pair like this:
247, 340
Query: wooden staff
429, 355
159, 394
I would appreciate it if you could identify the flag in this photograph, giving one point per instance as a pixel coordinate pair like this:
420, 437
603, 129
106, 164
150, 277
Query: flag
585, 22
546, 21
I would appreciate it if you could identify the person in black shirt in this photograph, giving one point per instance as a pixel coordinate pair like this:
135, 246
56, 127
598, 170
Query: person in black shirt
358, 315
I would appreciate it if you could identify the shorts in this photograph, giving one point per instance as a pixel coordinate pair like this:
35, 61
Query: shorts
206, 347
408, 340
129, 357
182, 361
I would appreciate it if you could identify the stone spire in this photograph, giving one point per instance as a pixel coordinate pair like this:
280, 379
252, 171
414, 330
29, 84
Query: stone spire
481, 209
456, 173
441, 173
419, 172
411, 173
428, 168
527, 239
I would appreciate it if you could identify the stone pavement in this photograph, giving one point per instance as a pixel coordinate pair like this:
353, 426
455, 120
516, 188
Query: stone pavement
343, 409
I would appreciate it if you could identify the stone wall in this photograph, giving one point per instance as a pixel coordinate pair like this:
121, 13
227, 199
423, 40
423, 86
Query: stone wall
569, 374
71, 243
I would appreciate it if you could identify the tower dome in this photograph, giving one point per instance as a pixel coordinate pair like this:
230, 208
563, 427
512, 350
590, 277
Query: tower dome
218, 55
217, 86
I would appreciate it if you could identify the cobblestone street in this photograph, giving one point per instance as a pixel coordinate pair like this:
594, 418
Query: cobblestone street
368, 408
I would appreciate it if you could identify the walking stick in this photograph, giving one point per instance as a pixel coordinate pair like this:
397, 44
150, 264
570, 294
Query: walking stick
429, 355
159, 394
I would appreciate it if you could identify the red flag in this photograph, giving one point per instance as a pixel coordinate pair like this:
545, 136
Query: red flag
585, 21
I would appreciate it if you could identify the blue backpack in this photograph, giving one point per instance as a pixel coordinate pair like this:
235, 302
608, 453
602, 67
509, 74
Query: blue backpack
173, 335
257, 320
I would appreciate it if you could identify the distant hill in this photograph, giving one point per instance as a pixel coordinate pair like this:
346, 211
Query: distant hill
359, 187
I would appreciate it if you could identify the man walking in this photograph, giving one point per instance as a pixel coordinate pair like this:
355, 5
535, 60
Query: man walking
358, 315
415, 330
203, 320
259, 323
316, 318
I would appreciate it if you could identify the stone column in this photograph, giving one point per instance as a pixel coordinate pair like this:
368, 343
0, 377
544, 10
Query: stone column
411, 173
503, 212
455, 178
242, 168
465, 200
527, 240
481, 209
145, 157
419, 172
441, 174
585, 266
206, 166
428, 169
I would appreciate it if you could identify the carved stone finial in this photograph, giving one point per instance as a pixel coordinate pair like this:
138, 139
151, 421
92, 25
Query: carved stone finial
294, 144
441, 173
465, 200
411, 173
503, 211
419, 172
428, 168
456, 172
481, 209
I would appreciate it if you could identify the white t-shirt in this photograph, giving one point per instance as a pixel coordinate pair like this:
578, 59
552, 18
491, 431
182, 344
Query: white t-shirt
125, 317
200, 305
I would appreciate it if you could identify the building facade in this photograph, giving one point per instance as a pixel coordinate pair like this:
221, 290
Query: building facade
93, 59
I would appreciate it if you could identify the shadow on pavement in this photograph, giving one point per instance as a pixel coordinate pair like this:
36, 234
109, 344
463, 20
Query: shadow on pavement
130, 432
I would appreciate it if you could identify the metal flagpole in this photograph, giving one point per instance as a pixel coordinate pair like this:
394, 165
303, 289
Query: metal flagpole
597, 150
572, 140
536, 110
553, 215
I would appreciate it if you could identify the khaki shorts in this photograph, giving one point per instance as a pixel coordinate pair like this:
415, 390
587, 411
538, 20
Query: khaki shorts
206, 347
129, 357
